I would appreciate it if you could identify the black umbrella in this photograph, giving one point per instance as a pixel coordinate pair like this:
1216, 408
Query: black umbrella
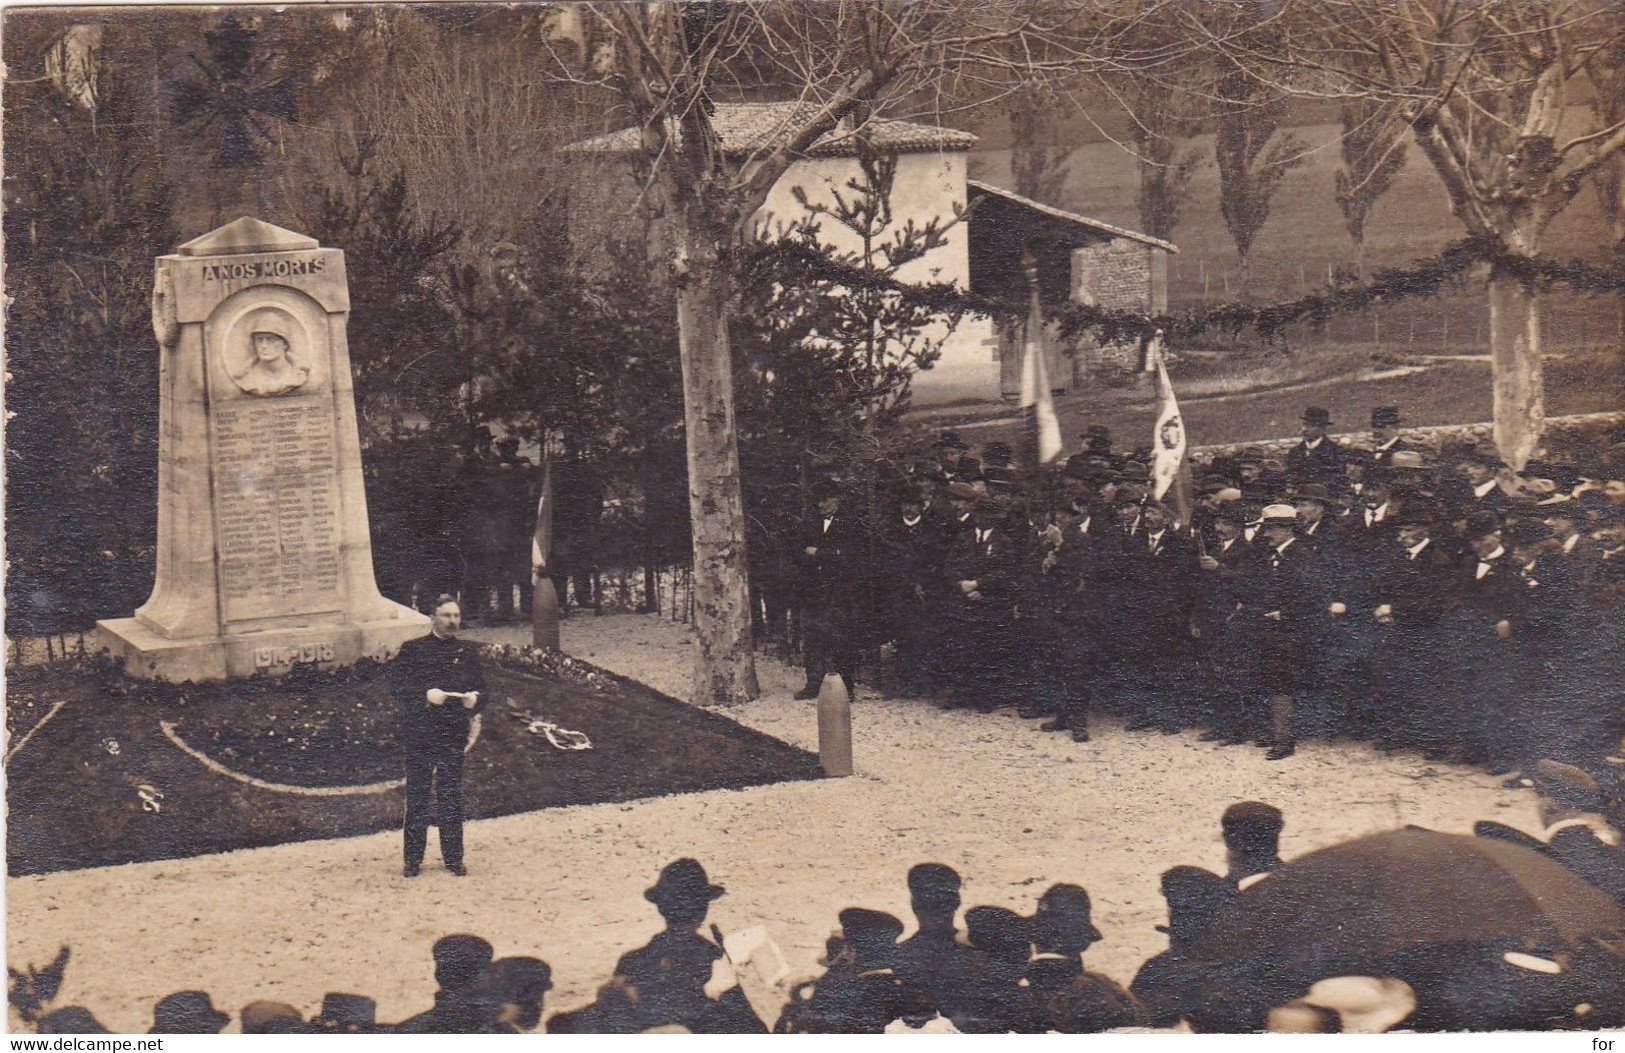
1364, 901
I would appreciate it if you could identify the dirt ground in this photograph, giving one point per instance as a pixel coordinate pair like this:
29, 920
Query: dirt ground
1014, 810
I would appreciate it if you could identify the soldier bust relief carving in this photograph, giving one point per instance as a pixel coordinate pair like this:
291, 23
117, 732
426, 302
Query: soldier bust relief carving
272, 367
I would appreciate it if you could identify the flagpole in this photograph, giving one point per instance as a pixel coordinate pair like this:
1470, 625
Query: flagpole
544, 598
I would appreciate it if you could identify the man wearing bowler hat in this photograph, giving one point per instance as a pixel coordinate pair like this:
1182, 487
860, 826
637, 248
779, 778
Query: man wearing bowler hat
1316, 458
1385, 440
826, 559
671, 973
1278, 602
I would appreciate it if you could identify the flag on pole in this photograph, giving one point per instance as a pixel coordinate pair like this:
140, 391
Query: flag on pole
1169, 470
541, 543
1043, 428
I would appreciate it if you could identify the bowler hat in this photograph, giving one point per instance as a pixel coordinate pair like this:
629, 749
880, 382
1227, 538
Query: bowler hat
684, 879
950, 440
1385, 417
460, 957
1193, 895
1097, 431
1317, 416
1279, 513
1067, 903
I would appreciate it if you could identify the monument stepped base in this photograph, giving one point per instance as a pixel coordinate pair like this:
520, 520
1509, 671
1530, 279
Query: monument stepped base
149, 656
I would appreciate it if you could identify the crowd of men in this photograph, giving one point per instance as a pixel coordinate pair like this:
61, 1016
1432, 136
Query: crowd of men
1418, 598
1004, 971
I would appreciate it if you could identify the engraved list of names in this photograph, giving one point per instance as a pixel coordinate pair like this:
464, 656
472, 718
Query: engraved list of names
276, 503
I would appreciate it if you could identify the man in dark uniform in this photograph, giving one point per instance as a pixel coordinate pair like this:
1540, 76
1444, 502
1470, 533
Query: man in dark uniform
913, 548
436, 684
1278, 603
1317, 458
826, 557
1385, 440
979, 573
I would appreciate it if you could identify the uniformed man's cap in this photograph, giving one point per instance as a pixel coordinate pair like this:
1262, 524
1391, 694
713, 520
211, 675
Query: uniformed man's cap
1279, 513
349, 1010
861, 922
1566, 784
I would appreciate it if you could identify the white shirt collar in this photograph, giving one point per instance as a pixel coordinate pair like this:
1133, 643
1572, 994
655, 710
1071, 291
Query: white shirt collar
1416, 550
1285, 545
1387, 444
1376, 515
1251, 879
1500, 550
1570, 542
1482, 489
1311, 445
911, 522
1083, 524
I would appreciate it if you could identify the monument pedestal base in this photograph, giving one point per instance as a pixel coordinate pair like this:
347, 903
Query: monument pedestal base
149, 656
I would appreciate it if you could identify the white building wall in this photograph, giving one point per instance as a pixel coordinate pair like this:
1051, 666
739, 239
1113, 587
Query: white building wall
927, 186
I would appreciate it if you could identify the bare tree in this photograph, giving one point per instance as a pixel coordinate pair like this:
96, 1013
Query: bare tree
844, 62
1486, 89
1038, 149
1252, 160
1373, 152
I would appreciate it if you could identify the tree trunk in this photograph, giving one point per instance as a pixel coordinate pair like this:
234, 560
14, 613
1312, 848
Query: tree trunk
724, 670
1519, 407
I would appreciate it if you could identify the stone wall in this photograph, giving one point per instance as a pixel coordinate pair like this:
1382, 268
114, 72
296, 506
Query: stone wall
1119, 275
1431, 438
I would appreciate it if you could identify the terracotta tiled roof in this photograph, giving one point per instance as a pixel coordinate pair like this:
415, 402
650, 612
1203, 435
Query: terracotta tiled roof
746, 127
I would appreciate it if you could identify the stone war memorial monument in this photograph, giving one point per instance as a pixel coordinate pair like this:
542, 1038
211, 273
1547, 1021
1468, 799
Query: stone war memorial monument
264, 555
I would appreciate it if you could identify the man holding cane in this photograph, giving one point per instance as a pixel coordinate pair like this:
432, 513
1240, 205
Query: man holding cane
436, 683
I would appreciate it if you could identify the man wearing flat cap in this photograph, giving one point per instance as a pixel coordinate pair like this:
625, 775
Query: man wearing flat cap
1317, 457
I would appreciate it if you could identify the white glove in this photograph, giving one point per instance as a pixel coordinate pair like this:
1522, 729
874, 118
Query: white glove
1337, 608
435, 696
471, 699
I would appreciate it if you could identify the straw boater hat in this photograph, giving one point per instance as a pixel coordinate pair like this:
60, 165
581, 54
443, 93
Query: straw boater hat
1367, 1005
1279, 513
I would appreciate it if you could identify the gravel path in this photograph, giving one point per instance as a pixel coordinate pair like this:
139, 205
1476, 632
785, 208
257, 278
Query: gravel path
1012, 809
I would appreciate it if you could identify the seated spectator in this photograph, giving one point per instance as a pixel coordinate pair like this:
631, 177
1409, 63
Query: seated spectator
71, 1020
346, 1014
1577, 834
518, 986
613, 1012
860, 994
919, 1016
187, 1013
672, 973
997, 999
1073, 1000
461, 1005
933, 961
1252, 841
270, 1018
1174, 984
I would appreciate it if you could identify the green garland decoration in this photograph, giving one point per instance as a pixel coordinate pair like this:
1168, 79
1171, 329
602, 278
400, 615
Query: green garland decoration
787, 261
